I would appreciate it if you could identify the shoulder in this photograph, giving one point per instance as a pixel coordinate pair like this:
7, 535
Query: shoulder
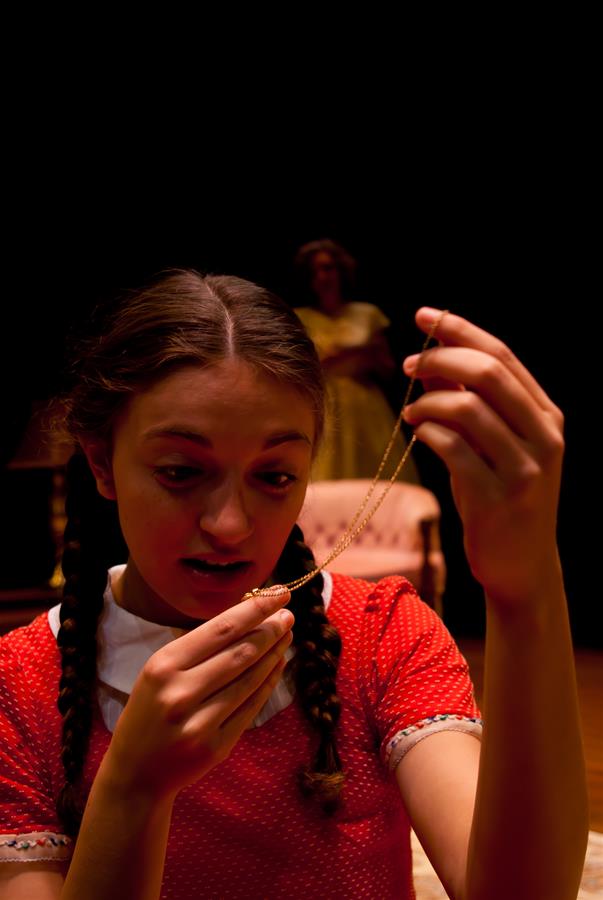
371, 596
386, 624
28, 654
360, 307
375, 604
29, 677
313, 320
29, 640
367, 312
308, 314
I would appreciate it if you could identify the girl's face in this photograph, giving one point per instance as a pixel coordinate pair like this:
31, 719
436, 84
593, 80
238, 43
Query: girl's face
209, 468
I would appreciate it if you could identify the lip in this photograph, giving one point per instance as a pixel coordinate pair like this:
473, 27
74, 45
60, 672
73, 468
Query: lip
219, 559
236, 579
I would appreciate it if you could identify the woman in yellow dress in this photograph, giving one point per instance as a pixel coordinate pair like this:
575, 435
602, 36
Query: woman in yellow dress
351, 343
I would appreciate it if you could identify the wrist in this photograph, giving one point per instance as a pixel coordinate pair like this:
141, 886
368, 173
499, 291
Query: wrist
533, 602
118, 787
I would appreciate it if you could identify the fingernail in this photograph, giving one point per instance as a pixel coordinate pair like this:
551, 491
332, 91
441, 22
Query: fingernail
286, 617
410, 364
430, 312
407, 412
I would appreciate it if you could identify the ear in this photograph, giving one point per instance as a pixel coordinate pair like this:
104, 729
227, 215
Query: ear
98, 454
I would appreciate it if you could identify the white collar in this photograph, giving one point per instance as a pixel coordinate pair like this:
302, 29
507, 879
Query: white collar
126, 641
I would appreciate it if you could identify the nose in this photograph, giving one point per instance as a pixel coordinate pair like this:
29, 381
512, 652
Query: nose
224, 518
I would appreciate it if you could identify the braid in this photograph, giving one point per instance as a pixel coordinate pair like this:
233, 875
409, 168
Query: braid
86, 556
314, 668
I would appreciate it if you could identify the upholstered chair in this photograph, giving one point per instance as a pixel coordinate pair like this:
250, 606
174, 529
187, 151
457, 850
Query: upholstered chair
402, 537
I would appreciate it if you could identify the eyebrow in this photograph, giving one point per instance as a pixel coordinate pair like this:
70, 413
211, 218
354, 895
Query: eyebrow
177, 431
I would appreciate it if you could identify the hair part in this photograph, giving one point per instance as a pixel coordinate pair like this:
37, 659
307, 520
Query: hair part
182, 318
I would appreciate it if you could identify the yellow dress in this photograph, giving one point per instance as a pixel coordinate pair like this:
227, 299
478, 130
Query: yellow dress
359, 419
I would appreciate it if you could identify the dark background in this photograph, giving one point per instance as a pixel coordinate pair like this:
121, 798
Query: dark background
496, 228
467, 185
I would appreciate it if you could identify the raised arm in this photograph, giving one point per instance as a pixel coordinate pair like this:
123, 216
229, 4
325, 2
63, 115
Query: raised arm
501, 438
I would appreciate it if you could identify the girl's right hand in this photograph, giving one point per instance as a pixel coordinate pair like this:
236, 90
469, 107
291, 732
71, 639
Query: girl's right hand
194, 698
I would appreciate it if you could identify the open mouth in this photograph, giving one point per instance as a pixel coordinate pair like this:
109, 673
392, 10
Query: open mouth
226, 568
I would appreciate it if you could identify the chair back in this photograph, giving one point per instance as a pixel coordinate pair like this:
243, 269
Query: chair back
401, 538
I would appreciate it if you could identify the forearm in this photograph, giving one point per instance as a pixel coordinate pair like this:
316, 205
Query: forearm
530, 823
120, 850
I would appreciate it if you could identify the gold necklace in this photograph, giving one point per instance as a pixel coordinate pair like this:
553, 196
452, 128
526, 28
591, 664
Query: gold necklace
354, 528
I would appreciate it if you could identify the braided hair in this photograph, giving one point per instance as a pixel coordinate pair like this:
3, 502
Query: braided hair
314, 669
180, 318
92, 544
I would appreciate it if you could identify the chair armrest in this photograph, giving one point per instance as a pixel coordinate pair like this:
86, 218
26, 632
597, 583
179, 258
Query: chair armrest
433, 573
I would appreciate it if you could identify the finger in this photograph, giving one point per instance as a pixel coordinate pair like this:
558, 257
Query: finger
483, 430
465, 466
244, 715
231, 625
496, 384
216, 709
412, 367
454, 331
200, 682
437, 384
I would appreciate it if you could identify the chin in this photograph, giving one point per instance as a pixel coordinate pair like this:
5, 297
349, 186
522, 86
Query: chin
213, 605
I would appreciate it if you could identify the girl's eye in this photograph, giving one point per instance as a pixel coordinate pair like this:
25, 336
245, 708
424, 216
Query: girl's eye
278, 480
176, 475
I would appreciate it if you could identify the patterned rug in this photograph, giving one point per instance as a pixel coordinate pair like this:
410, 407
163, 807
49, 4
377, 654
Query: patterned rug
428, 886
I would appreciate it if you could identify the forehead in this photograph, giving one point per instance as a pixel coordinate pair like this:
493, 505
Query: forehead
322, 259
230, 398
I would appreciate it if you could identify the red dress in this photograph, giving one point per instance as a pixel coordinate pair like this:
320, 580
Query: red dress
244, 830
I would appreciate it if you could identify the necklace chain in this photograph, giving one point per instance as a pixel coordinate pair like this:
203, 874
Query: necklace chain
355, 527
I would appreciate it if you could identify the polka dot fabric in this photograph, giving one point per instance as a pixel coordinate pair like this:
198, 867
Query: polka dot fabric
245, 831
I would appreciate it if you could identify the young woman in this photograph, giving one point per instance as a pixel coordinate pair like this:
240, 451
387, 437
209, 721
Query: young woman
163, 736
350, 339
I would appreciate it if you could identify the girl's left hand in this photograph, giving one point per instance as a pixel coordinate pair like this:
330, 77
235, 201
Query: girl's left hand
501, 439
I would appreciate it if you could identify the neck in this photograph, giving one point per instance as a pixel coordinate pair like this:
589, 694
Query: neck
133, 594
331, 304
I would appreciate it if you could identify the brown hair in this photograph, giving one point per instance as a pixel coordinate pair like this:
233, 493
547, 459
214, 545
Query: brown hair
179, 318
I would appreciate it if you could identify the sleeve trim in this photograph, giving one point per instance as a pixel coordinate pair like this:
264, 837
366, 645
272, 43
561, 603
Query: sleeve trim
404, 740
35, 845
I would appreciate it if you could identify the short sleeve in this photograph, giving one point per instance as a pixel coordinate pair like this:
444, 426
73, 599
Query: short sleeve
416, 679
379, 321
319, 328
367, 319
29, 825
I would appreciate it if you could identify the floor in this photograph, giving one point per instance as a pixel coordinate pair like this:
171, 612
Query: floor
429, 887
